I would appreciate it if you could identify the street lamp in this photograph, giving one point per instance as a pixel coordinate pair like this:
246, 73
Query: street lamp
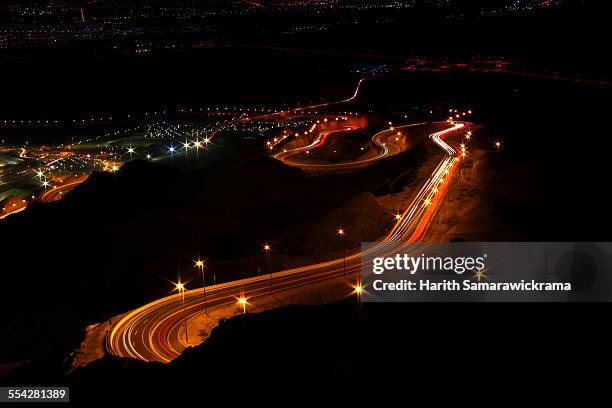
181, 288
398, 218
243, 302
200, 264
358, 290
267, 249
342, 233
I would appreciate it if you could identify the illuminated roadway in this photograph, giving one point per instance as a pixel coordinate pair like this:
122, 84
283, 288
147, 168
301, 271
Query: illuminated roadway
57, 192
153, 332
384, 141
13, 208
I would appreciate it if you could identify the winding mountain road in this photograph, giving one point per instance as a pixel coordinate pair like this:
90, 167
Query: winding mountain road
153, 331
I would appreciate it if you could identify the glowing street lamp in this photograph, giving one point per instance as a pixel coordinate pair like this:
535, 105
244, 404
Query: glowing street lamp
200, 265
358, 290
242, 301
341, 234
498, 144
398, 218
267, 249
181, 289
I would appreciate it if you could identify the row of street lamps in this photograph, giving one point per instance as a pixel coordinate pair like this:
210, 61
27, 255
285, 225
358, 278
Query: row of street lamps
242, 300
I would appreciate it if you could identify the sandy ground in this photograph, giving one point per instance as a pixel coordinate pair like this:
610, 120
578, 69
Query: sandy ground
471, 207
400, 201
93, 346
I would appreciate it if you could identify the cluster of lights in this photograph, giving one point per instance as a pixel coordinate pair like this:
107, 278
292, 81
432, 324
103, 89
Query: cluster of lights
463, 150
455, 114
107, 151
310, 129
